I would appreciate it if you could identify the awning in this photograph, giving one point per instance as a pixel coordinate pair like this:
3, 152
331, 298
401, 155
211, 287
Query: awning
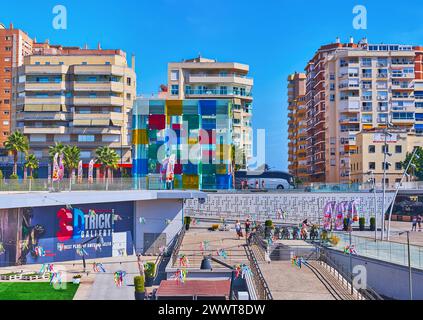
33, 107
81, 122
51, 107
100, 122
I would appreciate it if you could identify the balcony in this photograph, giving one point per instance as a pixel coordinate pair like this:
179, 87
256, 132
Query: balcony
98, 86
38, 86
349, 120
98, 101
44, 130
55, 100
43, 116
116, 116
99, 70
45, 69
219, 93
227, 79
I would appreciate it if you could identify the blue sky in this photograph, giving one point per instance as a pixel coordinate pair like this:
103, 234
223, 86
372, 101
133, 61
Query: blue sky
275, 37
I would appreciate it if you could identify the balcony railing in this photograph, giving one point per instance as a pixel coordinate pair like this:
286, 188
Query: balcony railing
218, 92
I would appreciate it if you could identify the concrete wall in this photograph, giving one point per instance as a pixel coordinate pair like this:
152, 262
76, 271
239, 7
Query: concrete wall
155, 213
298, 205
387, 279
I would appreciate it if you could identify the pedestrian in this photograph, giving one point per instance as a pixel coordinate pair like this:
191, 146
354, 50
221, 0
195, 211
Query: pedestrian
419, 222
262, 184
257, 184
414, 224
247, 228
238, 229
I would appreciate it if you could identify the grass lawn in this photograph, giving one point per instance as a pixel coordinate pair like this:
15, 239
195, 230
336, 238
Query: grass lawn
35, 291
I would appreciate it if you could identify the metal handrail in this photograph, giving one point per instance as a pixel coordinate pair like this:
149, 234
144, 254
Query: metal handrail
179, 238
368, 293
261, 284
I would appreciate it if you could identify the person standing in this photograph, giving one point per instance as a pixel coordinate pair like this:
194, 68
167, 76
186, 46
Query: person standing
238, 229
414, 224
247, 228
419, 222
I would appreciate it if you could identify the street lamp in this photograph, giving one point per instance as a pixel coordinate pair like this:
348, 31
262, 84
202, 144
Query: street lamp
385, 154
405, 174
410, 282
373, 181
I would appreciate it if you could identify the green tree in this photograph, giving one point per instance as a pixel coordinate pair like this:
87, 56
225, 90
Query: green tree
32, 163
15, 143
57, 148
417, 171
107, 158
71, 157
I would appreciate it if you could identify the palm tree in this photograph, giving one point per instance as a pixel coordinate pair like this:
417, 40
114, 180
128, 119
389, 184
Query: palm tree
15, 143
57, 148
71, 157
32, 163
108, 158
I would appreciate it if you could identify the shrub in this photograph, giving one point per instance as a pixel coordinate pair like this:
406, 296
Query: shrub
268, 223
13, 177
187, 220
150, 269
78, 276
1, 174
139, 284
362, 223
372, 224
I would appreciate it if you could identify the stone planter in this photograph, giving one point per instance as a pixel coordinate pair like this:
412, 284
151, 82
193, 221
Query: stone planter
149, 281
76, 280
139, 295
11, 277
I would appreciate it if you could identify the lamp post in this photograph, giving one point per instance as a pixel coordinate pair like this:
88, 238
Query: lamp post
351, 272
410, 282
385, 154
373, 181
405, 174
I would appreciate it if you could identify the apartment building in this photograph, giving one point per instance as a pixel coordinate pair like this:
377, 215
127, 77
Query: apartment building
353, 87
76, 96
202, 78
370, 155
14, 46
297, 134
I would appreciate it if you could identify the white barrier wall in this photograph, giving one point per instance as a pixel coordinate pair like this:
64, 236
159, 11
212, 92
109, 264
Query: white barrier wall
160, 217
298, 205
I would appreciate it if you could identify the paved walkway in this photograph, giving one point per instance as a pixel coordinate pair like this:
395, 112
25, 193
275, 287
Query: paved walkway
416, 237
288, 282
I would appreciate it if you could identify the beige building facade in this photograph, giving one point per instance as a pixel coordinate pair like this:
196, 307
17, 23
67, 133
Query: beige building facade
202, 78
297, 134
77, 97
368, 161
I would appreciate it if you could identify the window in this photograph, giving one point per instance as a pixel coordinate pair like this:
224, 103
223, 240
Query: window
7, 59
6, 101
398, 166
7, 70
84, 63
128, 96
37, 138
174, 75
37, 63
47, 63
398, 149
372, 149
8, 38
386, 165
110, 138
8, 48
372, 165
175, 89
128, 81
86, 138
385, 149
85, 154
5, 123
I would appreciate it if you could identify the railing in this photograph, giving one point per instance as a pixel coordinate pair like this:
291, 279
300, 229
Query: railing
388, 251
179, 239
261, 285
337, 270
